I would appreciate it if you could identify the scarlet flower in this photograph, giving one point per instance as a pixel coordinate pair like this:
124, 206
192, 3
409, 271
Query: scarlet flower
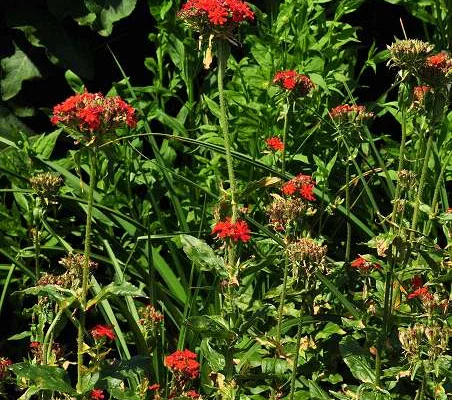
301, 185
193, 394
97, 394
350, 112
364, 265
183, 363
92, 113
4, 364
275, 143
416, 282
210, 14
103, 331
155, 386
292, 81
422, 293
236, 231
437, 69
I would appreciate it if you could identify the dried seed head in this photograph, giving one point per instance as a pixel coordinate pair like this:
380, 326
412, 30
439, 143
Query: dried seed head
306, 251
409, 54
46, 186
284, 211
406, 179
76, 262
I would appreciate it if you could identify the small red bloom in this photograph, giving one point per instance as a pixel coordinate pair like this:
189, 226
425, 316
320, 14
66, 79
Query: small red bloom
363, 265
416, 282
103, 331
155, 386
275, 143
183, 363
226, 229
193, 394
4, 364
97, 394
346, 112
301, 185
422, 293
290, 80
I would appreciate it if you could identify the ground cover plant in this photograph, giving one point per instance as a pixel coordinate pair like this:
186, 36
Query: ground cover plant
238, 227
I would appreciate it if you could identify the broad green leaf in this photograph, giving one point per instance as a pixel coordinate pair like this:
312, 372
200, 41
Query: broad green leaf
329, 330
74, 81
44, 377
357, 360
11, 127
15, 70
108, 12
123, 289
216, 360
202, 254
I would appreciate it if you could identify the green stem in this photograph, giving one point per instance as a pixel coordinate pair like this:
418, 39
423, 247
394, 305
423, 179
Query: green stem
420, 189
401, 160
295, 360
347, 206
281, 302
47, 337
85, 270
285, 129
223, 53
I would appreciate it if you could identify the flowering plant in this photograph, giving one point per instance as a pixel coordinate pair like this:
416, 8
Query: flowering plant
293, 82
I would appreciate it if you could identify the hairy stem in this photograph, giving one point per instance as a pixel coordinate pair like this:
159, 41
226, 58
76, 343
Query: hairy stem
85, 269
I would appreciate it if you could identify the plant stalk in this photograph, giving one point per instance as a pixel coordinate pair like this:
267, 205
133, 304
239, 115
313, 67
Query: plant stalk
285, 129
85, 269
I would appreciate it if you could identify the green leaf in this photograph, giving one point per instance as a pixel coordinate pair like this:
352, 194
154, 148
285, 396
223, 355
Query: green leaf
329, 330
44, 377
46, 143
74, 81
202, 254
210, 326
123, 289
358, 360
216, 360
16, 69
64, 297
108, 12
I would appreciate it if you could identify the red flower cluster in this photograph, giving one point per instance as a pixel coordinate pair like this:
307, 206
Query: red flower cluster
193, 394
153, 387
92, 112
183, 363
350, 112
237, 231
97, 394
292, 81
364, 265
275, 143
437, 69
4, 364
419, 290
201, 13
301, 185
103, 331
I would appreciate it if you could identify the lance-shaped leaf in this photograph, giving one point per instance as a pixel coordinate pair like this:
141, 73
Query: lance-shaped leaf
357, 359
44, 377
64, 297
202, 254
123, 289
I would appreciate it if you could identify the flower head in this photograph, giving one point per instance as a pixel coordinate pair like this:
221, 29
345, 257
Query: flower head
217, 17
409, 54
103, 331
301, 186
193, 394
4, 364
275, 143
90, 117
183, 363
421, 293
97, 394
238, 231
350, 113
153, 387
364, 264
294, 82
437, 69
